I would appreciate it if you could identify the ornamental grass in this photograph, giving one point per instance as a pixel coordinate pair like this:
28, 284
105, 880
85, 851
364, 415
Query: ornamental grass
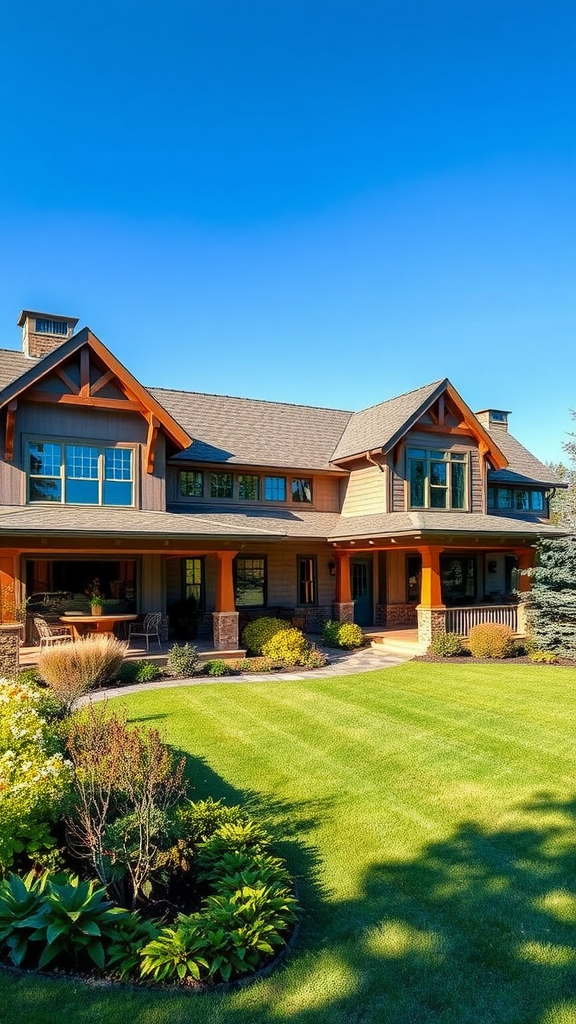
70, 670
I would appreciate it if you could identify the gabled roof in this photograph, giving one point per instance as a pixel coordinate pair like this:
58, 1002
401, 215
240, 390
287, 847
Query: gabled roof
37, 370
381, 426
246, 431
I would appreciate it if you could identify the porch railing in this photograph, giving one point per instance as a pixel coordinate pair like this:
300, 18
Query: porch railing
461, 620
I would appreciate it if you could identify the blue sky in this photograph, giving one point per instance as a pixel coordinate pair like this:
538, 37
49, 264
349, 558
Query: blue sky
317, 201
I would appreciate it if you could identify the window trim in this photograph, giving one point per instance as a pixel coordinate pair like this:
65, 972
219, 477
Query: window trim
314, 581
452, 456
101, 446
206, 472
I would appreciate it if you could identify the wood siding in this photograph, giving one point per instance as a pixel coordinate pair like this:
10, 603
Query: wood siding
365, 493
91, 425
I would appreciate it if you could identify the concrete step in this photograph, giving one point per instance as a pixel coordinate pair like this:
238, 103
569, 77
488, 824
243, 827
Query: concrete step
404, 647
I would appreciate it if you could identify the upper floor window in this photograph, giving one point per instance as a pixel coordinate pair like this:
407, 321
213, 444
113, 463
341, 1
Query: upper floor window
302, 489
51, 326
191, 484
248, 487
221, 485
79, 474
275, 488
437, 479
517, 499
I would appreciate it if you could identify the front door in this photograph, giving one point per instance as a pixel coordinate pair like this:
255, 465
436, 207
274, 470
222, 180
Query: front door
361, 585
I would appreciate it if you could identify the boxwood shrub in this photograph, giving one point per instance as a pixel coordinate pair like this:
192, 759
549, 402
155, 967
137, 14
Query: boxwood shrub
259, 632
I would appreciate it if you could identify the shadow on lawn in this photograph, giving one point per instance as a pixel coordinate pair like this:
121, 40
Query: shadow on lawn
477, 928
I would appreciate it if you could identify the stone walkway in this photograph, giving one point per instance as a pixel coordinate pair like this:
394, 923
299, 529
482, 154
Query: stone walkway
342, 663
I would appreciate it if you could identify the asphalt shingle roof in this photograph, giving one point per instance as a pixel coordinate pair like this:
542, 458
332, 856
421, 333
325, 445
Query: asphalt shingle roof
426, 522
523, 467
378, 426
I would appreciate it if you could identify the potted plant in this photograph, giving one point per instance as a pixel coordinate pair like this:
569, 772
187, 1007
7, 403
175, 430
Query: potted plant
95, 597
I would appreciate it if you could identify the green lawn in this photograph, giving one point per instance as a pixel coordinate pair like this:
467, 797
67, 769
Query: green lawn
428, 813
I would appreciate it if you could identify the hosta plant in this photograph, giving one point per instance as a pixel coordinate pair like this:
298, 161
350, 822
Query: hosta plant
75, 919
21, 900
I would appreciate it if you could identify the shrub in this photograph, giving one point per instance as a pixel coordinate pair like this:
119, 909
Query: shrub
543, 657
218, 667
72, 669
288, 645
342, 634
315, 658
259, 632
34, 777
138, 672
183, 660
126, 784
199, 819
28, 677
21, 899
491, 640
447, 645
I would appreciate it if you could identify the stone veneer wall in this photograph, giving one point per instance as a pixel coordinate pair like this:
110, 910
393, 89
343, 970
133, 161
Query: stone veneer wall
343, 611
401, 615
10, 649
431, 623
225, 631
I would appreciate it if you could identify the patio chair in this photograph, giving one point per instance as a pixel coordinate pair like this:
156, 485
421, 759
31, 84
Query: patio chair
149, 628
51, 635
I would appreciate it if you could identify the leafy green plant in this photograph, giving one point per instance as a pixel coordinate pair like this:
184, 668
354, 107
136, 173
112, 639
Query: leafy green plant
542, 657
218, 667
183, 661
259, 632
446, 645
198, 820
132, 934
491, 640
176, 953
138, 672
28, 677
288, 646
72, 669
74, 919
21, 899
342, 634
34, 776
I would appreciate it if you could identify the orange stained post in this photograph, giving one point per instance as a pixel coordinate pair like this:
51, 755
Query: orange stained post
525, 561
343, 588
431, 590
225, 600
8, 585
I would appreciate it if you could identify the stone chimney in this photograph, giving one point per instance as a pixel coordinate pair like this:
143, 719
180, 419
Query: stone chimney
493, 419
42, 332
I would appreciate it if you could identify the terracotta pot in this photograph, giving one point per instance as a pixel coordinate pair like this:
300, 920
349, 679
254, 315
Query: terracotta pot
96, 609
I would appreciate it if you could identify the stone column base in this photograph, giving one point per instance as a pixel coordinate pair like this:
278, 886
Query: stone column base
10, 649
431, 623
343, 611
225, 625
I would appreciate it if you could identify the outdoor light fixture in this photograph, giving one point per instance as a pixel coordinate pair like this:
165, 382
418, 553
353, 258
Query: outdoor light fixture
332, 568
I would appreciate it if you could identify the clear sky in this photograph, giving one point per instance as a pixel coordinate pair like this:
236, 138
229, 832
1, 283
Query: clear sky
318, 201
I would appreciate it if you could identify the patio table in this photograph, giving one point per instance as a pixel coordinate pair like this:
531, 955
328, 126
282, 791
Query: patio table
100, 624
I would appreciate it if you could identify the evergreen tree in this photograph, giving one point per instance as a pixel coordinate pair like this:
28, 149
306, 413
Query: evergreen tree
551, 603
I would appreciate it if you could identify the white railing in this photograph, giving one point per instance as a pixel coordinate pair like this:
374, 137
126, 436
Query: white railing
461, 620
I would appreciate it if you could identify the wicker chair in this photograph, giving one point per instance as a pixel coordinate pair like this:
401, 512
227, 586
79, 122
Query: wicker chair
51, 635
149, 628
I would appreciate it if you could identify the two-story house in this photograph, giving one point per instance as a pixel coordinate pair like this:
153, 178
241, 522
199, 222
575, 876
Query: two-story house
415, 511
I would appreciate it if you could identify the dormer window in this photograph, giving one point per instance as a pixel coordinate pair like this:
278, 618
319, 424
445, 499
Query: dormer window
437, 479
79, 474
44, 326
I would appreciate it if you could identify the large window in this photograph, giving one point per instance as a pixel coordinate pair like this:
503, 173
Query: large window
302, 489
79, 474
437, 479
248, 487
307, 580
250, 582
517, 499
275, 488
221, 485
458, 577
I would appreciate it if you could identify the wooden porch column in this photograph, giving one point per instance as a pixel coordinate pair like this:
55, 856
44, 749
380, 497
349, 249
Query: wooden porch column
225, 617
525, 561
431, 610
9, 599
343, 607
431, 590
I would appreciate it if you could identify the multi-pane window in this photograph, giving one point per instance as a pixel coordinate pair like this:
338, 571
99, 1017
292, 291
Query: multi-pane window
306, 580
275, 488
248, 487
302, 489
78, 474
437, 479
458, 578
51, 326
194, 580
221, 485
250, 582
191, 484
516, 499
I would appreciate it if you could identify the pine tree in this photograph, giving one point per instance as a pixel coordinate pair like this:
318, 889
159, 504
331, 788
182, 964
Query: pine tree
551, 603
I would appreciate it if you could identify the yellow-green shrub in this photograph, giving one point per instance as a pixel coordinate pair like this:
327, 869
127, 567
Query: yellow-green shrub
288, 646
259, 632
491, 640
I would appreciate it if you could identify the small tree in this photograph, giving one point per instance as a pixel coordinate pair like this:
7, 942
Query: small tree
551, 603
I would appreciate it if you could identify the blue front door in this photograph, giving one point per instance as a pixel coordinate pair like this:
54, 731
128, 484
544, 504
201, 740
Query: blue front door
361, 585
